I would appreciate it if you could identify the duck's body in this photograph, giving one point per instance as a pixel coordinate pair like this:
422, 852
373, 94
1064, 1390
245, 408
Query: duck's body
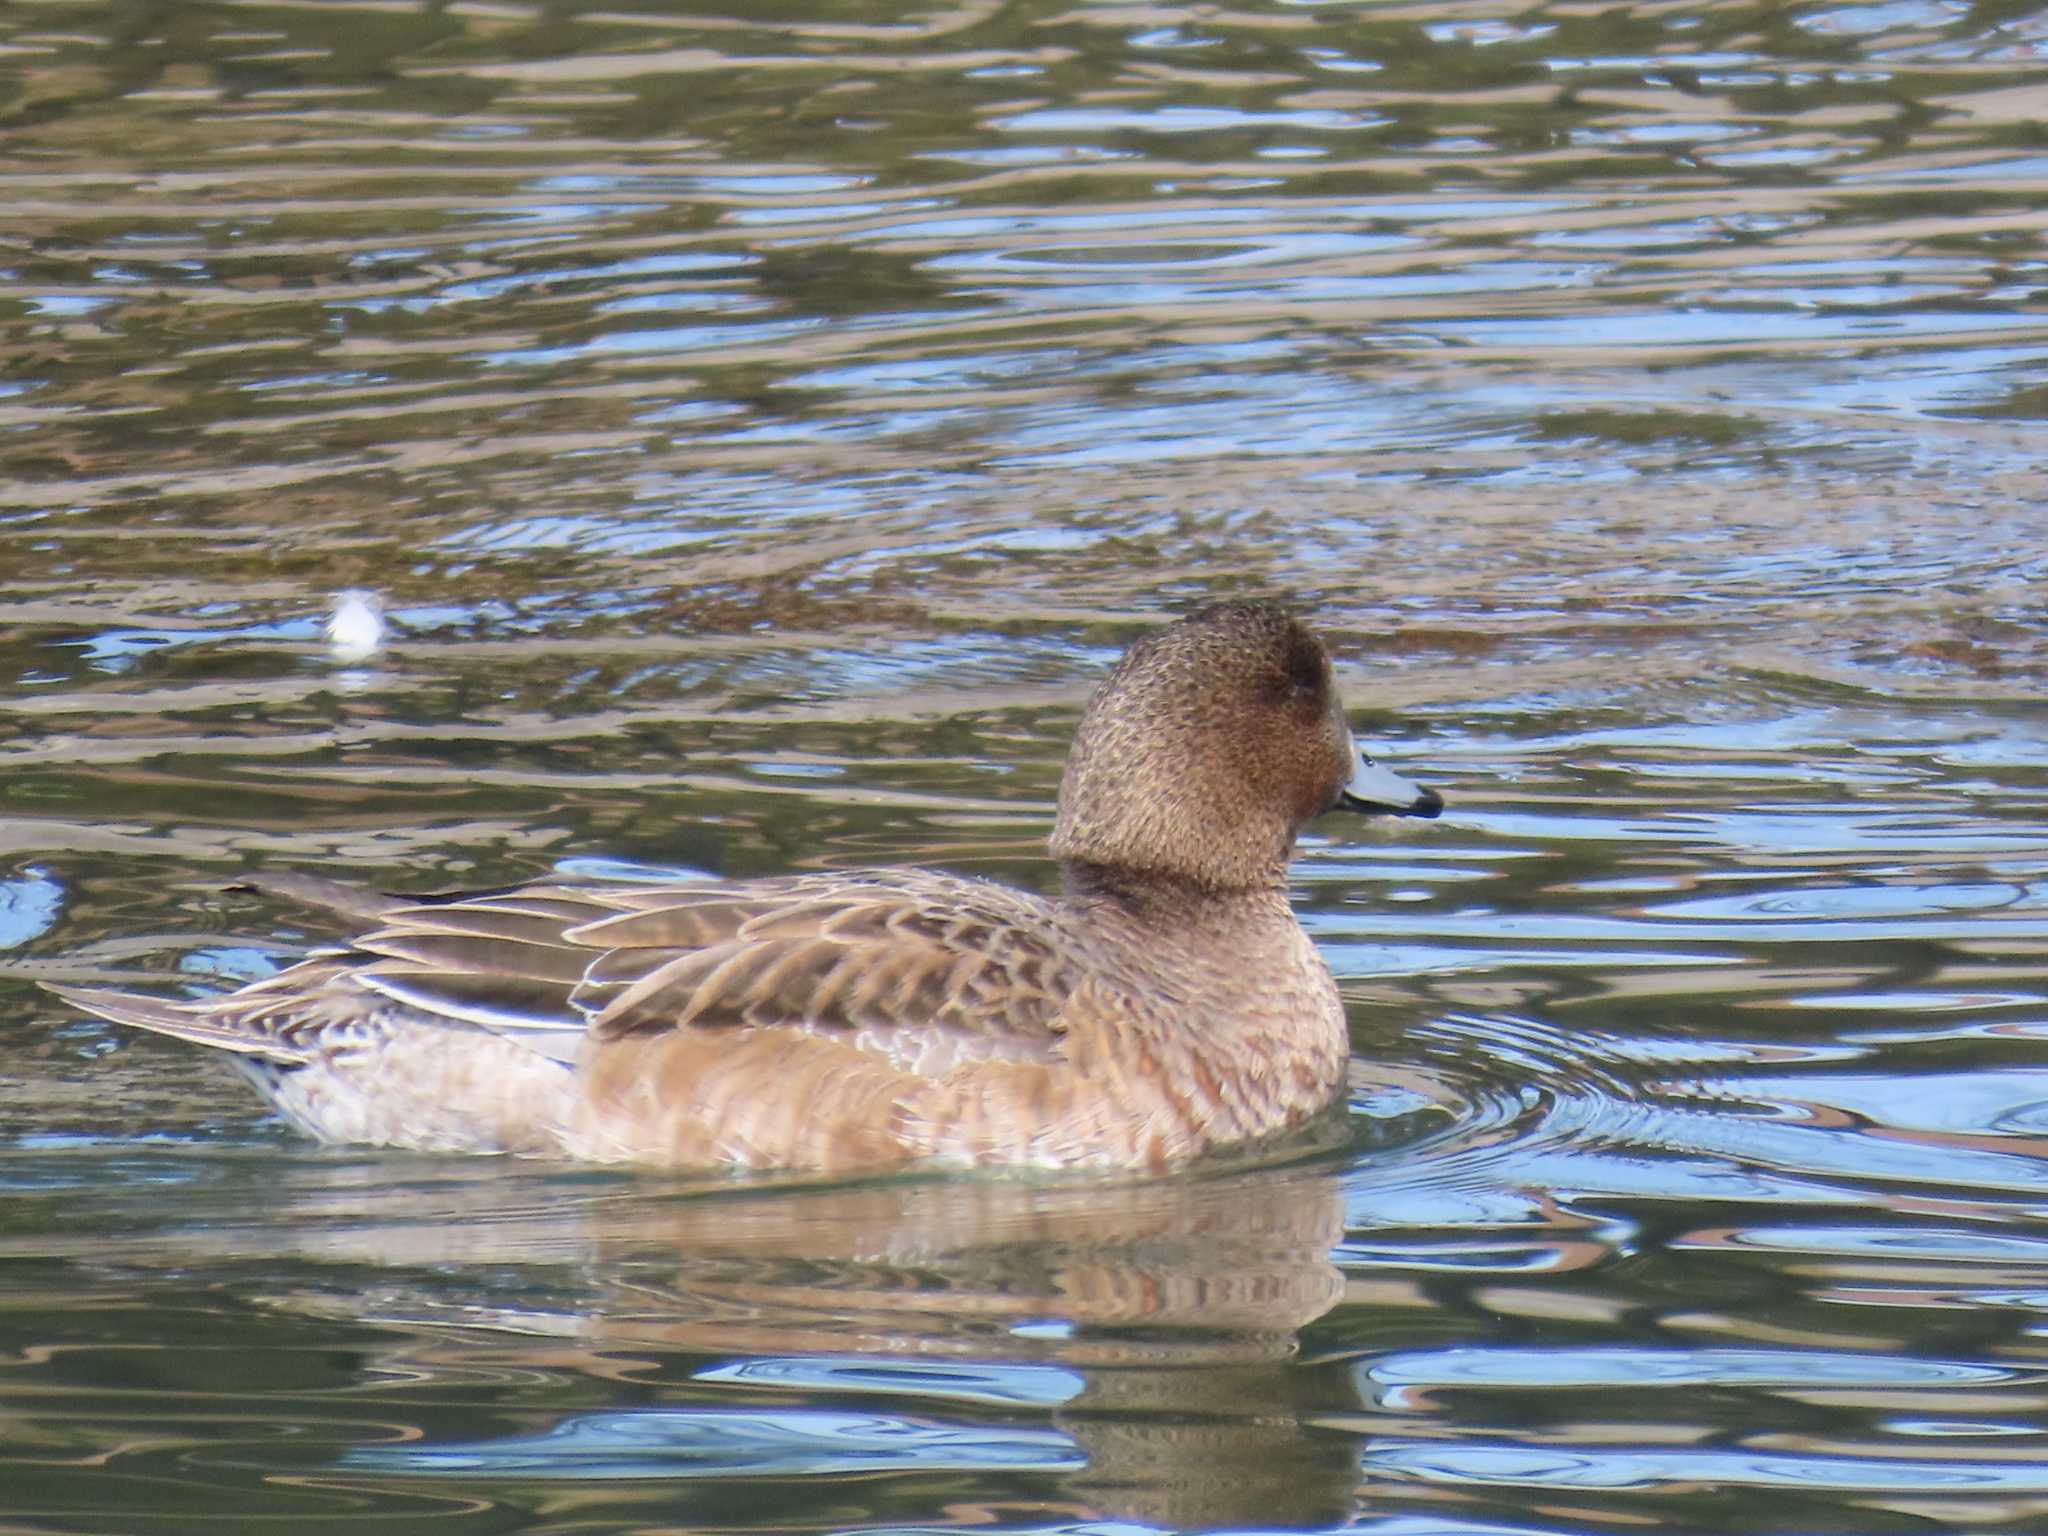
1166, 1003
828, 1021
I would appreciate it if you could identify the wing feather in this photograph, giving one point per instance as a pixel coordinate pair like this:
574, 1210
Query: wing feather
926, 969
498, 957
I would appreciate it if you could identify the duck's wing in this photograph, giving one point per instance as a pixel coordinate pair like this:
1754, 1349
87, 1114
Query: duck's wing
926, 969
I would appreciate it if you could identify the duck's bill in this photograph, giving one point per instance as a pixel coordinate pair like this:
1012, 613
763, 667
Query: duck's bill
1375, 791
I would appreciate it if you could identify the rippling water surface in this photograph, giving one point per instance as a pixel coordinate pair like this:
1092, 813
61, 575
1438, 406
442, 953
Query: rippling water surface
763, 424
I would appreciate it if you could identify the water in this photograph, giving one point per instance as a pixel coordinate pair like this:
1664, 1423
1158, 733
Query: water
763, 424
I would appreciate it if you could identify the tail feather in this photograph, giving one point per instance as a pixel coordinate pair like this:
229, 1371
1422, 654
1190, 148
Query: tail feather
204, 1023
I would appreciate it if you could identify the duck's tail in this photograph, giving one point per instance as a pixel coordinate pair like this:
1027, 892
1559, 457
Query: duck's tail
203, 1023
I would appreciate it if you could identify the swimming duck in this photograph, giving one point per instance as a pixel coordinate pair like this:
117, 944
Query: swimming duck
1166, 1003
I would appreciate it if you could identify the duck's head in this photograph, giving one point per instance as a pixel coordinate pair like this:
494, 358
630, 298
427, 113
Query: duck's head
1208, 747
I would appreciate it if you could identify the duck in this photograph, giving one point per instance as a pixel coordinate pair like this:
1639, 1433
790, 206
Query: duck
1165, 1004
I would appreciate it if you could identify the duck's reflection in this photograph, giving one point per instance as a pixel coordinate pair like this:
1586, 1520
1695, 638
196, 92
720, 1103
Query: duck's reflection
1096, 1350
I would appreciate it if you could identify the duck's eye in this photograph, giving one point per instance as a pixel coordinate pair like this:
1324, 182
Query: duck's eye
1290, 690
1306, 673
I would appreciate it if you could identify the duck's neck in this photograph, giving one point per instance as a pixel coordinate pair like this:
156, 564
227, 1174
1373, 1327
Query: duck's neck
1150, 890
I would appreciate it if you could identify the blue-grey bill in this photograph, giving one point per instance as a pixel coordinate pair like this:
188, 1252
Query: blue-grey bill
1373, 789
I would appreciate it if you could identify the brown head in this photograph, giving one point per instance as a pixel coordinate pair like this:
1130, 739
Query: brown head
1208, 747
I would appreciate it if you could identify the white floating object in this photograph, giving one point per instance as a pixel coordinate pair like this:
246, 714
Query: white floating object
356, 629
